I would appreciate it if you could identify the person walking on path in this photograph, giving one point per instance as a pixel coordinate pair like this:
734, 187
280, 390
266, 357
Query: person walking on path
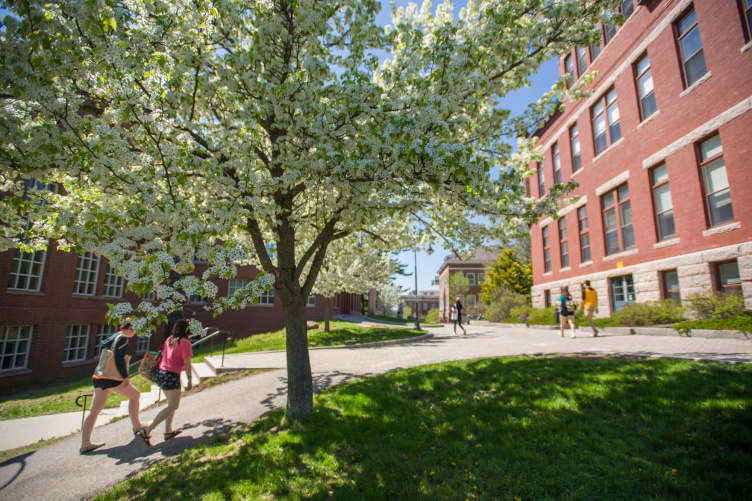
112, 375
566, 311
458, 308
590, 305
176, 357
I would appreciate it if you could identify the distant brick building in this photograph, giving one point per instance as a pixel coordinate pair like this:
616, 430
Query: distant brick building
662, 154
474, 270
428, 299
53, 305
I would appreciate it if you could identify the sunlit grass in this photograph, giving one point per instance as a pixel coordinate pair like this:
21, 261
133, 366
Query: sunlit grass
519, 428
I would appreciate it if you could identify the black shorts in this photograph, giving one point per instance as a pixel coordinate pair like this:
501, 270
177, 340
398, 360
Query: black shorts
167, 380
105, 384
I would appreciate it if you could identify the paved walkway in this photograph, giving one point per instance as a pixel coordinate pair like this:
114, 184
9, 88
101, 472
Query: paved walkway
58, 472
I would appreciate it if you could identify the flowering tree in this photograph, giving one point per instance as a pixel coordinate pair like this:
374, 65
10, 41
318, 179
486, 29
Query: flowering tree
263, 132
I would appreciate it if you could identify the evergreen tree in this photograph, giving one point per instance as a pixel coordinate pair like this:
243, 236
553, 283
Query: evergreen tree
507, 271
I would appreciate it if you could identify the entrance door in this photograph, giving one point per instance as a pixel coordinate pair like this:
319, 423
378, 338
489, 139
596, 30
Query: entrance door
622, 292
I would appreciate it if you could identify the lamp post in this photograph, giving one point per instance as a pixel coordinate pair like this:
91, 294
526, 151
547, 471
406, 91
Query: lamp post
429, 251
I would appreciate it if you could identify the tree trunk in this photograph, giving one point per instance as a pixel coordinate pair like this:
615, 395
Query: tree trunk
327, 312
299, 379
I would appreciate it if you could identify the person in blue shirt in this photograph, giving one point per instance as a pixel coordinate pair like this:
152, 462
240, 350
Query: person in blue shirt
566, 307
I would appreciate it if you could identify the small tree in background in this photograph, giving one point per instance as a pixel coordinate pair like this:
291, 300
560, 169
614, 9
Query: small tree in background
459, 285
507, 272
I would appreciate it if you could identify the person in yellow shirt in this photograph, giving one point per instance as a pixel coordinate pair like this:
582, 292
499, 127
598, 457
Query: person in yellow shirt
590, 305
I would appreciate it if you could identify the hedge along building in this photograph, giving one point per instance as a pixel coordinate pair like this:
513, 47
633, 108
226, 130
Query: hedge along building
661, 153
53, 306
473, 268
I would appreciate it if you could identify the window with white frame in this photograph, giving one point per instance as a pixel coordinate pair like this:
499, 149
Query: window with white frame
563, 243
617, 220
236, 285
645, 90
197, 299
693, 58
481, 277
142, 343
717, 191
662, 206
557, 163
574, 137
15, 341
311, 301
76, 342
26, 270
546, 250
606, 121
470, 278
582, 62
267, 298
86, 274
470, 300
541, 181
582, 222
149, 296
103, 332
569, 69
113, 284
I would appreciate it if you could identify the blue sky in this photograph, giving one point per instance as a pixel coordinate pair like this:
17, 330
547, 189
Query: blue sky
541, 82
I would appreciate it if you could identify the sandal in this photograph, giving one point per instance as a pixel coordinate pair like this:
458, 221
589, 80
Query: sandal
141, 433
172, 434
90, 447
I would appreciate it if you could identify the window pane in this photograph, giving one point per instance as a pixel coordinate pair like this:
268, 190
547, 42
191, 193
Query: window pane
648, 105
666, 224
711, 147
627, 9
625, 210
609, 219
595, 50
645, 83
715, 175
691, 44
600, 143
720, 207
627, 236
687, 22
660, 174
608, 200
663, 198
612, 242
623, 192
642, 64
729, 274
615, 131
672, 280
695, 68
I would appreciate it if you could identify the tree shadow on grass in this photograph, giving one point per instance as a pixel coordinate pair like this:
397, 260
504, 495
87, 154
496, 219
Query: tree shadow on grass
540, 428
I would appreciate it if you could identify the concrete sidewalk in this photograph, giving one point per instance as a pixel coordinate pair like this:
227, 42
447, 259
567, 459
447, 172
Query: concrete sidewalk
59, 472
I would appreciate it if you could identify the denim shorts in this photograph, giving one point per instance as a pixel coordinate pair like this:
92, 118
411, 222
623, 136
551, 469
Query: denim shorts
167, 380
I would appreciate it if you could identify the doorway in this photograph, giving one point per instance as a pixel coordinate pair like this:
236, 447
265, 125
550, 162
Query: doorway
622, 292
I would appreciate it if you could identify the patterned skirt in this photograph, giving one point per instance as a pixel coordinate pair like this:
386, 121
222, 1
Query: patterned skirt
167, 380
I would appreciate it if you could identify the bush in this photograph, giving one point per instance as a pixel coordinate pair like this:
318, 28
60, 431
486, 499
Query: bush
521, 313
643, 314
713, 304
432, 317
741, 322
542, 317
503, 300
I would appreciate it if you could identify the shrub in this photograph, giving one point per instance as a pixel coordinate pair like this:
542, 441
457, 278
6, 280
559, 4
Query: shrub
521, 313
432, 317
741, 322
503, 300
543, 316
642, 314
713, 304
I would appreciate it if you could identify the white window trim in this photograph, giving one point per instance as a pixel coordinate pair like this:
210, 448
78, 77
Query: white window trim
41, 272
119, 284
67, 350
14, 370
96, 276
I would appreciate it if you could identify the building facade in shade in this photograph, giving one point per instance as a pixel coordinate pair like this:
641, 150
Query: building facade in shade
474, 269
53, 306
428, 299
662, 155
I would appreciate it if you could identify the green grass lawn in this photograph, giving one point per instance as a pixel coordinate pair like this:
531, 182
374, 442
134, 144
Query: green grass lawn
61, 398
392, 319
510, 429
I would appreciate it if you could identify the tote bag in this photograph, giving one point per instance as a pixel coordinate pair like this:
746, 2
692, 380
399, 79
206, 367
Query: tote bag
150, 364
106, 368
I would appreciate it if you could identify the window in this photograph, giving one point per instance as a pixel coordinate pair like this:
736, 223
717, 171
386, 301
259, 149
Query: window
569, 69
627, 9
563, 245
103, 333
662, 206
470, 278
546, 250
581, 60
236, 285
645, 91
746, 7
617, 215
86, 274
311, 301
557, 163
609, 32
142, 343
197, 299
14, 346
546, 298
470, 300
197, 259
541, 181
267, 298
75, 343
584, 234
595, 49
693, 59
113, 284
717, 194
574, 138
26, 270
729, 281
149, 296
670, 286
481, 278
606, 124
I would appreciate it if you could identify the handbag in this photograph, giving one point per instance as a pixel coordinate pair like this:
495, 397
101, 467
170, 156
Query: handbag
453, 316
150, 364
106, 368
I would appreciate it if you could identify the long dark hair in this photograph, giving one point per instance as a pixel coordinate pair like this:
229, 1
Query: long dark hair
180, 330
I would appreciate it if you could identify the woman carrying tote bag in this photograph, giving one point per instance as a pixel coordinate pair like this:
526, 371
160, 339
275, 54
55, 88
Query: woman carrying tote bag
111, 375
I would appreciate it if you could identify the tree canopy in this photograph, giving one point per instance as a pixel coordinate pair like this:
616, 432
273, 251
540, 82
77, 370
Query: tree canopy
263, 132
508, 272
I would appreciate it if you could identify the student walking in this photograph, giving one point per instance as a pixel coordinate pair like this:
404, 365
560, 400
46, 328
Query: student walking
566, 311
590, 305
176, 357
111, 375
458, 320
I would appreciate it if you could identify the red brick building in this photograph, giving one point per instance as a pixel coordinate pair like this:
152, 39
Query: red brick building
53, 305
662, 155
474, 270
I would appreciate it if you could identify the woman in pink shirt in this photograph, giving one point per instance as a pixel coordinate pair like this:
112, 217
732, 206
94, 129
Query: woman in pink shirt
176, 357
